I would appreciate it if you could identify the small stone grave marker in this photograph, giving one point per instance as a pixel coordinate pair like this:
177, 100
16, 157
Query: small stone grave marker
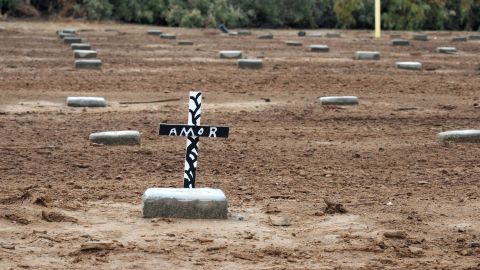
68, 31
124, 137
63, 35
410, 65
333, 35
85, 54
72, 39
185, 42
265, 36
469, 135
319, 48
459, 39
339, 100
188, 202
88, 64
250, 63
421, 37
367, 55
86, 102
154, 32
447, 50
400, 42
168, 36
80, 46
474, 37
293, 43
230, 54
244, 32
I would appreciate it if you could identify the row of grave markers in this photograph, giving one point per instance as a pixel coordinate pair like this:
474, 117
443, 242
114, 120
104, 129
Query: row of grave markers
85, 57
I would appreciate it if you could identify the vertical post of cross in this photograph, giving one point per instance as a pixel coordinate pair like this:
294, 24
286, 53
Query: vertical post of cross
191, 153
378, 18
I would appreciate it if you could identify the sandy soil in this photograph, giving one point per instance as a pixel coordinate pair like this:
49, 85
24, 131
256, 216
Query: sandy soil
411, 202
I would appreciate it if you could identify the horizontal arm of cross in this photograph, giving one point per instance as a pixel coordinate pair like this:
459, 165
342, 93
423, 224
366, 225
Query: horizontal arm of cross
193, 131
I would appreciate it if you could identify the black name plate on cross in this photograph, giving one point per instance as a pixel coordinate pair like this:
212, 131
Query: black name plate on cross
193, 131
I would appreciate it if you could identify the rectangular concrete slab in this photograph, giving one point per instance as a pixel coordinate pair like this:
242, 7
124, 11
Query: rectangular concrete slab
88, 64
189, 203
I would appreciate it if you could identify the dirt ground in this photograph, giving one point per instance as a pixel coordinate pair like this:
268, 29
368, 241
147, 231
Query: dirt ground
410, 201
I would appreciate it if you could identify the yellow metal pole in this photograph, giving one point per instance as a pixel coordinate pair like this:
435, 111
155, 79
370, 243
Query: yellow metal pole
377, 19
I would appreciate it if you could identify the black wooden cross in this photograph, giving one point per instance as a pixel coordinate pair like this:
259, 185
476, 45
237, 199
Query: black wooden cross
193, 131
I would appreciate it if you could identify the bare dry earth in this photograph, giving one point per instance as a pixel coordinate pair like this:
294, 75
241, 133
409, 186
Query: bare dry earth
286, 153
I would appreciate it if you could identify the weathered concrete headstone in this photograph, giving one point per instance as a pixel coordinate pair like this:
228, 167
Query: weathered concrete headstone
333, 35
447, 50
410, 65
88, 64
395, 36
367, 55
73, 39
86, 102
474, 37
124, 137
185, 42
68, 31
400, 42
168, 36
293, 43
188, 202
80, 46
230, 54
339, 100
85, 54
459, 38
64, 35
154, 32
319, 48
469, 135
250, 63
421, 37
244, 32
265, 36
301, 33
315, 35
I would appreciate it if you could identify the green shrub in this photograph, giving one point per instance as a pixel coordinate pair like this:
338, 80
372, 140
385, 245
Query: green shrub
192, 19
98, 9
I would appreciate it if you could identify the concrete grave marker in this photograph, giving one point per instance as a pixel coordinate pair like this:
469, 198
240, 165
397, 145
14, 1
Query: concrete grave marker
447, 50
154, 32
319, 48
367, 55
469, 135
265, 36
293, 43
474, 37
400, 42
459, 38
80, 46
250, 63
333, 35
315, 35
339, 100
230, 54
86, 54
188, 202
72, 39
185, 42
168, 36
86, 102
244, 32
68, 31
63, 35
125, 137
410, 65
421, 37
88, 64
